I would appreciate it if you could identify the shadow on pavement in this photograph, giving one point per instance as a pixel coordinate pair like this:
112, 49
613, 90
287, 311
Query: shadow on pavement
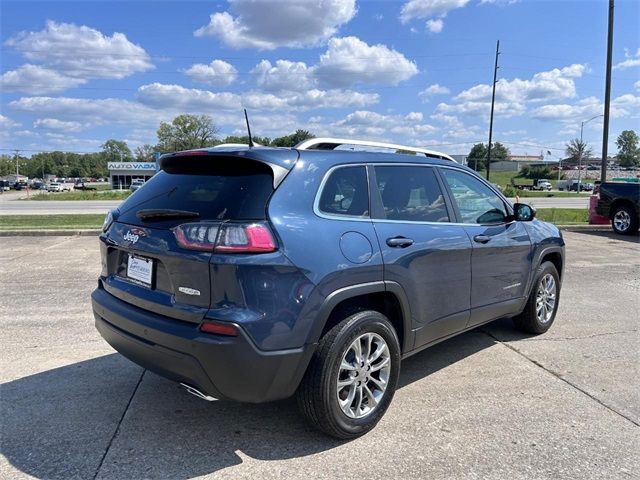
614, 237
58, 424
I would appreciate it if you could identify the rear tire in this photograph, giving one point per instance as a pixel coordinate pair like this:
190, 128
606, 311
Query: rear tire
540, 311
343, 394
624, 220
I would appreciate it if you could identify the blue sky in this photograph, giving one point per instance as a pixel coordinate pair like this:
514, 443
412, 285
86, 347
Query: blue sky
415, 72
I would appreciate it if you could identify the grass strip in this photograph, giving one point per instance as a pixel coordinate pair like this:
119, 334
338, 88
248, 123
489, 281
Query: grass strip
82, 195
563, 216
51, 222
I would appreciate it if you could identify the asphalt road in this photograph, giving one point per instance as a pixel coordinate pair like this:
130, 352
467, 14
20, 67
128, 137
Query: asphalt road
489, 404
10, 205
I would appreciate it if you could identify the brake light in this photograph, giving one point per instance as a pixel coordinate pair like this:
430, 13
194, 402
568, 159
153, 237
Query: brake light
226, 237
219, 328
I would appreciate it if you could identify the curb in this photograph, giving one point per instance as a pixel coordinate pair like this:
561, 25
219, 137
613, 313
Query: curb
49, 233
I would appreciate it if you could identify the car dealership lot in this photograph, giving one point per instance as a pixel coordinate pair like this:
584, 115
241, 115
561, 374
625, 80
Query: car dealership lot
488, 404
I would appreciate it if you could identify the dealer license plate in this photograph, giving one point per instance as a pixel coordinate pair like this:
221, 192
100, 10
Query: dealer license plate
140, 269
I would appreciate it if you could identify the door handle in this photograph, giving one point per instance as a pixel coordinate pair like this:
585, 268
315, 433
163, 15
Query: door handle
481, 238
399, 242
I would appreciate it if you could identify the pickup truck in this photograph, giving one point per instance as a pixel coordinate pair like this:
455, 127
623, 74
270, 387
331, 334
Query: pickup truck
83, 186
537, 184
620, 202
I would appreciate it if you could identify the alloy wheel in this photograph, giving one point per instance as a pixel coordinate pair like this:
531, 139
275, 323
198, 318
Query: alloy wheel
363, 375
546, 298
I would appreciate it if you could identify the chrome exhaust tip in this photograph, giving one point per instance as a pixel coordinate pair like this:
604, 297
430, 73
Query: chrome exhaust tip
197, 393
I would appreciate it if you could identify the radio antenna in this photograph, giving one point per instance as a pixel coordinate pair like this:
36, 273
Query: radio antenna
246, 117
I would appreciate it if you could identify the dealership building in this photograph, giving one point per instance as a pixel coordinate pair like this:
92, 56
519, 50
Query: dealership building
122, 173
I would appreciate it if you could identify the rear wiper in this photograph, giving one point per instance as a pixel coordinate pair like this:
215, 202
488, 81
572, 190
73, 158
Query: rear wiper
151, 214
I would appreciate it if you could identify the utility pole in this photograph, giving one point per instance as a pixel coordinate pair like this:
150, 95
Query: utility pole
493, 101
17, 156
607, 98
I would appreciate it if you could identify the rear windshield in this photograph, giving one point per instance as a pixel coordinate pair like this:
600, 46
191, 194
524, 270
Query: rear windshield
223, 189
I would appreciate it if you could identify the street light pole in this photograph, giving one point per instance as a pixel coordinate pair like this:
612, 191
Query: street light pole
582, 149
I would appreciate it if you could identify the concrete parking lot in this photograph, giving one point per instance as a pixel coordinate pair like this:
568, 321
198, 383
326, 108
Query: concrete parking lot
490, 403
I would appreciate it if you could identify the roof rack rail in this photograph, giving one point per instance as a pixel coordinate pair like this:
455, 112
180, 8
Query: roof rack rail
326, 143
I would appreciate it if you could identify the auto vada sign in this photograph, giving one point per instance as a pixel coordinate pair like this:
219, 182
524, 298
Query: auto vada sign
121, 174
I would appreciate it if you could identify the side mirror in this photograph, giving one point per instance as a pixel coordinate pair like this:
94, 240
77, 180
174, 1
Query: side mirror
523, 212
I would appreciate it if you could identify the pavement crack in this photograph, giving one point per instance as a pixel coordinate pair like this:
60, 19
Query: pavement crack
117, 430
561, 378
560, 339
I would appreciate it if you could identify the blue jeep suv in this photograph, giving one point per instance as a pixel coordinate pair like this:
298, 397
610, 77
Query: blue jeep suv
254, 274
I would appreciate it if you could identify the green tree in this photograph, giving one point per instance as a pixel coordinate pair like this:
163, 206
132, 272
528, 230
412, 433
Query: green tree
293, 139
628, 151
187, 132
245, 140
477, 156
145, 153
578, 149
116, 150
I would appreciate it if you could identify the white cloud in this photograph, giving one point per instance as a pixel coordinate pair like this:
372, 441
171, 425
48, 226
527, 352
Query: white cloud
6, 123
296, 23
577, 112
349, 60
161, 96
82, 52
34, 79
632, 60
431, 90
218, 73
91, 112
368, 124
158, 95
284, 76
55, 124
624, 106
637, 85
435, 26
513, 96
429, 8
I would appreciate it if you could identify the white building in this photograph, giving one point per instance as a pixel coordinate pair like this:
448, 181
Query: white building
122, 173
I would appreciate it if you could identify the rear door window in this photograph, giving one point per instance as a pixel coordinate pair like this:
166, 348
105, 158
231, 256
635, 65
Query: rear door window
411, 193
346, 192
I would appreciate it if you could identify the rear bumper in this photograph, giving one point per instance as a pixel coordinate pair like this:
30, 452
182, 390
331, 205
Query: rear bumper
222, 367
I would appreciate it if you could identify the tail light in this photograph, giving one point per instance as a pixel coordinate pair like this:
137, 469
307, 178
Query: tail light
226, 237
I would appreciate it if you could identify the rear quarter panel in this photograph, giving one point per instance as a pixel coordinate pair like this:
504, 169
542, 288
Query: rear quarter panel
315, 244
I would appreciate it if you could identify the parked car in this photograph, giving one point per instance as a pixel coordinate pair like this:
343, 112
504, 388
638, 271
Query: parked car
254, 274
575, 186
55, 187
620, 201
136, 184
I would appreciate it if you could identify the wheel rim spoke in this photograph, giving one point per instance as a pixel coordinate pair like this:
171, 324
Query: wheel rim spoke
380, 365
